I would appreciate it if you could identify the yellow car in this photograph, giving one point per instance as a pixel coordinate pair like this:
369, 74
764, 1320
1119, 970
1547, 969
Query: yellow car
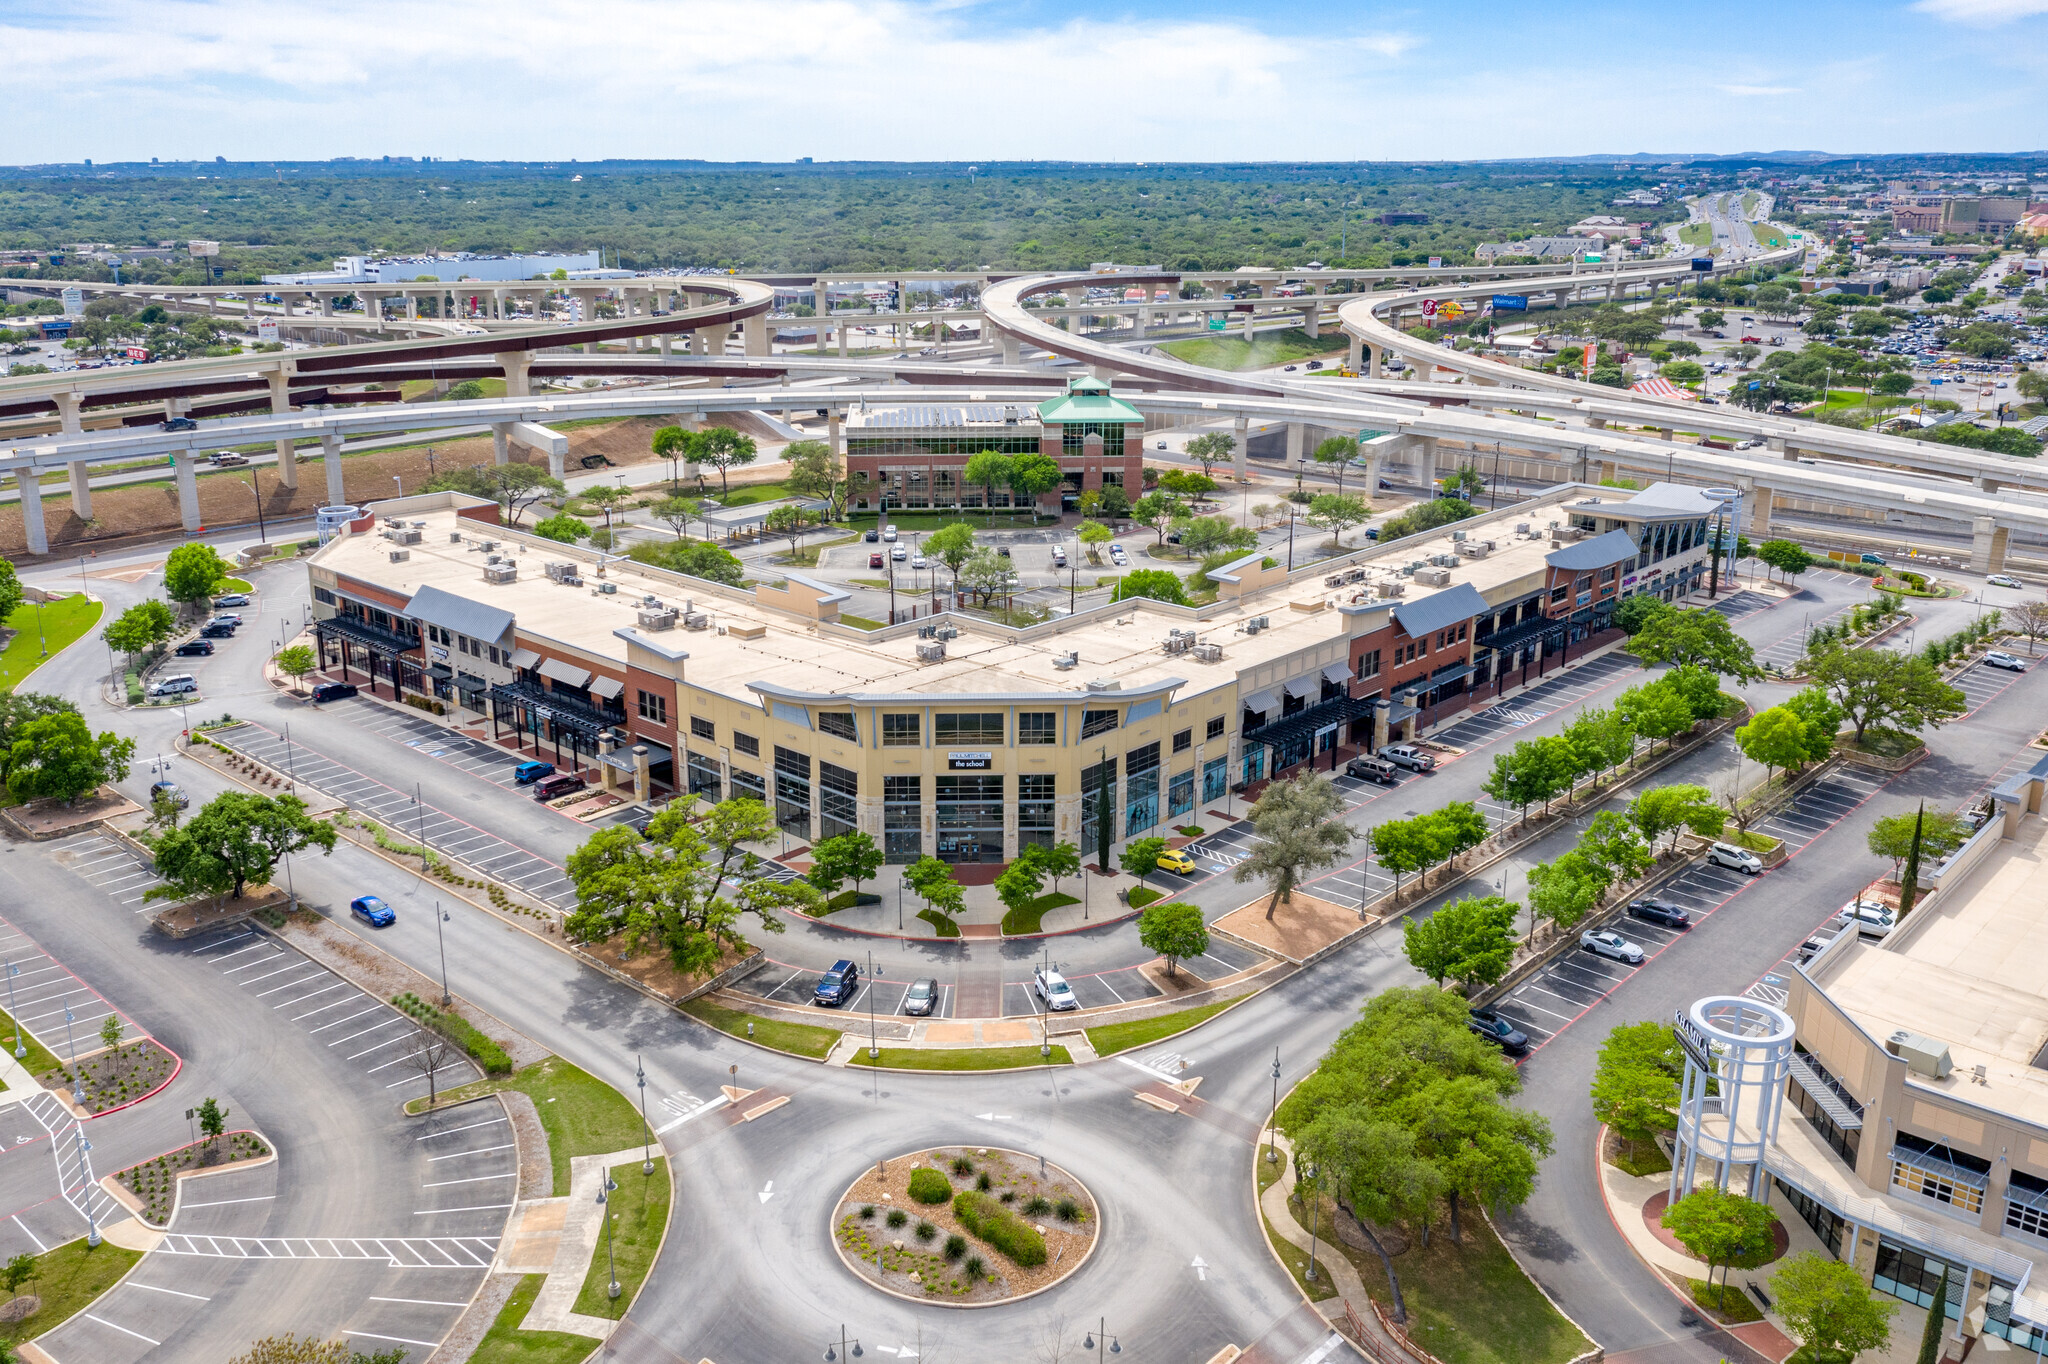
1174, 860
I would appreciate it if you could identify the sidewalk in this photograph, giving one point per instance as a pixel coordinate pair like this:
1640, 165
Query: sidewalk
1332, 1265
559, 1237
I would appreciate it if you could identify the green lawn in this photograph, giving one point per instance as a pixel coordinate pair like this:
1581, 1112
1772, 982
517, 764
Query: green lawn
583, 1115
505, 1343
1144, 895
639, 1209
961, 1058
39, 1060
1700, 234
859, 622
63, 622
1471, 1303
941, 925
802, 1039
1112, 1038
68, 1278
1271, 348
1025, 918
228, 585
1293, 1256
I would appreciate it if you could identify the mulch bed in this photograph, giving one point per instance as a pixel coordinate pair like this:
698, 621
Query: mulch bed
113, 1078
155, 1182
896, 1258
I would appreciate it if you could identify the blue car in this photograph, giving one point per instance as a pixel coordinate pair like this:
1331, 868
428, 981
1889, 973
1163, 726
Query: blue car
527, 773
372, 911
837, 985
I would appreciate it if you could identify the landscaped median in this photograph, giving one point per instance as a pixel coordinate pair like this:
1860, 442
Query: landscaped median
63, 1281
961, 1058
582, 1115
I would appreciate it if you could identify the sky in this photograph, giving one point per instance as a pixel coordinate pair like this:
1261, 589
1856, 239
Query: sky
954, 80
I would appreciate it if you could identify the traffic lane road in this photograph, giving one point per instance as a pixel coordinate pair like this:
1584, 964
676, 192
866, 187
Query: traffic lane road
348, 1162
1565, 1231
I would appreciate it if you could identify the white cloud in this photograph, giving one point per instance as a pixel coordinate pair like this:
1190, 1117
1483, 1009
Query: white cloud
1982, 11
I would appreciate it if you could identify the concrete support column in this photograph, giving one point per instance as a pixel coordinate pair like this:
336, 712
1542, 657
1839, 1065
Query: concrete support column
557, 464
1606, 471
701, 339
518, 366
281, 404
1425, 447
412, 305
667, 342
1668, 432
643, 777
755, 333
1240, 430
498, 303
842, 340
330, 454
1138, 323
188, 489
606, 773
1312, 319
1297, 444
1250, 331
1760, 512
501, 442
32, 510
68, 405
1987, 545
1376, 360
1354, 358
81, 490
1597, 423
1380, 732
1987, 484
1013, 351
834, 432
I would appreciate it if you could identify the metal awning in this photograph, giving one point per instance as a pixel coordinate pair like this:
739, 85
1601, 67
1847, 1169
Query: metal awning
524, 658
440, 670
362, 632
555, 670
1520, 633
1304, 687
1264, 702
621, 756
2020, 1195
1903, 1154
1306, 724
1450, 675
1809, 1078
607, 687
470, 682
1397, 711
1340, 673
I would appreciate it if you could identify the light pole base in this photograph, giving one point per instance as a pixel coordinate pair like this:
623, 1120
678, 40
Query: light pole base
612, 1289
646, 1167
93, 1240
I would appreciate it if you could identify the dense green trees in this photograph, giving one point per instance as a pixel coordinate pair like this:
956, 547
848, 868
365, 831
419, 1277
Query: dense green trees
1635, 1083
698, 558
1471, 941
193, 573
1877, 687
1696, 637
1832, 1312
1423, 841
1173, 931
1154, 583
1408, 1114
669, 891
1724, 1230
235, 841
142, 627
1300, 831
56, 757
514, 487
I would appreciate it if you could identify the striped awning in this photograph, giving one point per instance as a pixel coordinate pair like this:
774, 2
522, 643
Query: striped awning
1659, 387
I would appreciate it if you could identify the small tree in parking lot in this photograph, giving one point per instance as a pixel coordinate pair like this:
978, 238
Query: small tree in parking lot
213, 1119
295, 662
1173, 931
848, 857
1140, 857
426, 1054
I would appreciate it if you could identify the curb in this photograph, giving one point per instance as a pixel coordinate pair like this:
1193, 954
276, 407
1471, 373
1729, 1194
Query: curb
120, 1195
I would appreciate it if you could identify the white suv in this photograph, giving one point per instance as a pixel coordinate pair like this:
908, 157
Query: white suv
175, 685
1871, 918
1741, 859
1052, 987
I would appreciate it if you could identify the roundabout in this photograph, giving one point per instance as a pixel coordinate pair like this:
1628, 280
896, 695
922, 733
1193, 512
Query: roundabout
961, 1226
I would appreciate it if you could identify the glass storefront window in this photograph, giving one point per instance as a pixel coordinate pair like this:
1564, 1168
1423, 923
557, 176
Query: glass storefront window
969, 819
1095, 778
793, 791
1254, 764
837, 808
750, 785
702, 774
1141, 794
1035, 811
1215, 778
902, 819
1180, 794
1915, 1277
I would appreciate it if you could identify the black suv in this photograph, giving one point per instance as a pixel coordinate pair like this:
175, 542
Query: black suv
837, 985
195, 648
333, 691
1499, 1031
219, 629
1660, 912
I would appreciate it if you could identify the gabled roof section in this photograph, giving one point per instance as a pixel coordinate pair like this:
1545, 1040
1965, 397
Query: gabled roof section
1598, 552
1087, 399
1427, 615
463, 615
1674, 497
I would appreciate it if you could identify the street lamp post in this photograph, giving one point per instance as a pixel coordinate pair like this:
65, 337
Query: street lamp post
262, 536
848, 1348
1273, 1151
77, 1078
441, 917
41, 638
20, 1047
646, 1128
874, 1045
611, 1264
1310, 1172
92, 1223
1100, 1338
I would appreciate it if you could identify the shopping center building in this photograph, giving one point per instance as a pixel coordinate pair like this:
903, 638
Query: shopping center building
958, 736
1915, 1071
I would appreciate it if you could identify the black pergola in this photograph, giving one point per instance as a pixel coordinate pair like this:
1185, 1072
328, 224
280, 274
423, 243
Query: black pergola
530, 707
1290, 731
348, 632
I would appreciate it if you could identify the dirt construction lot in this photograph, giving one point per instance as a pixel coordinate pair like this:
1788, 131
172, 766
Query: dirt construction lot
226, 499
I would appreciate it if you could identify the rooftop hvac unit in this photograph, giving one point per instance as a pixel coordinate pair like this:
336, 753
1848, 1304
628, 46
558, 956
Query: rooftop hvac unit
1521, 527
1922, 1055
487, 544
1066, 662
419, 525
1355, 575
1105, 684
1477, 549
945, 632
924, 632
1254, 625
494, 559
405, 537
1209, 653
1178, 643
1457, 536
661, 619
1433, 577
454, 537
934, 652
605, 589
1265, 622
696, 620
1391, 589
399, 556
501, 573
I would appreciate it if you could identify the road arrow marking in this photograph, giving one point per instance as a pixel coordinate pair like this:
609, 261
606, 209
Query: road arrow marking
993, 1117
767, 1191
1201, 1269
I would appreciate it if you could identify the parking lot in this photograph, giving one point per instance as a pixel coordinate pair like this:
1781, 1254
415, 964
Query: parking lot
113, 868
1981, 684
1782, 654
1554, 998
445, 834
788, 984
1567, 688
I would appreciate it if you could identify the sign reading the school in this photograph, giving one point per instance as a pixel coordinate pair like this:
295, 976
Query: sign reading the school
970, 762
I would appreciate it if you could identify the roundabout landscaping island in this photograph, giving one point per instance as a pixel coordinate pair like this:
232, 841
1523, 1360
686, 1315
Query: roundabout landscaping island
965, 1226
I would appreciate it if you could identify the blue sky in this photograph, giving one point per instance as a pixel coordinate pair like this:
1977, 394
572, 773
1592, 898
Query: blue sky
1183, 80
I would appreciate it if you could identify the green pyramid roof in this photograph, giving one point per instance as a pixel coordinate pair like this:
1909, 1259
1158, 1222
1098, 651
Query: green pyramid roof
1087, 399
